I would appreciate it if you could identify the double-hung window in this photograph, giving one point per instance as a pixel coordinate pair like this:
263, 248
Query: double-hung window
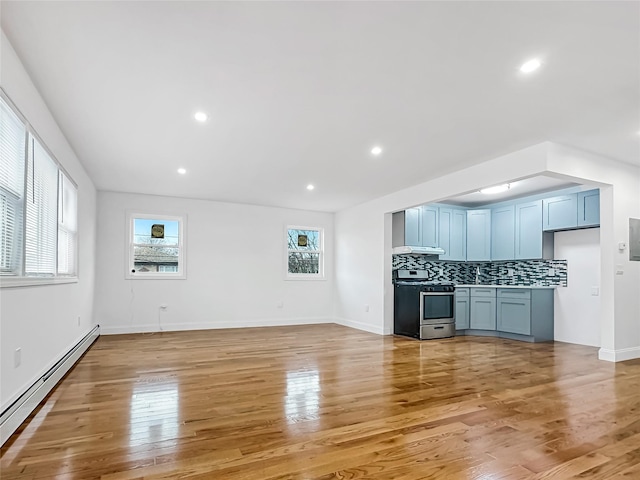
156, 247
305, 253
38, 208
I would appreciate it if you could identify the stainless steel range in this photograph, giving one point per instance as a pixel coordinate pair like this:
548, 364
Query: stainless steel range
421, 308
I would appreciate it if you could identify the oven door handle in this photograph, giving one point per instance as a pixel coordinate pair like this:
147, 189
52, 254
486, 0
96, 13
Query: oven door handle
424, 294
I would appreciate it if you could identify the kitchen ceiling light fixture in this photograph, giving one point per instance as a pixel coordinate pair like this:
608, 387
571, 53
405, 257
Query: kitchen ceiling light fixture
496, 189
530, 66
201, 116
376, 150
310, 187
182, 171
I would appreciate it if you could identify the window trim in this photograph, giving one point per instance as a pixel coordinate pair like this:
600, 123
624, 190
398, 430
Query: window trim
320, 276
181, 274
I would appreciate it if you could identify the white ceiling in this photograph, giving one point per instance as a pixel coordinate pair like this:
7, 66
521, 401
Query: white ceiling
299, 92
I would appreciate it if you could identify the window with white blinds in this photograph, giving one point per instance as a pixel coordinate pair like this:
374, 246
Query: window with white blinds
67, 226
38, 207
13, 137
41, 230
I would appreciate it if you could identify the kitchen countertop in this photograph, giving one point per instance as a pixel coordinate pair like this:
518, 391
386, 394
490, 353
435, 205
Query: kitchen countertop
506, 286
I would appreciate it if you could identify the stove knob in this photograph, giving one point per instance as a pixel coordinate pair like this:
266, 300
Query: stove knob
430, 289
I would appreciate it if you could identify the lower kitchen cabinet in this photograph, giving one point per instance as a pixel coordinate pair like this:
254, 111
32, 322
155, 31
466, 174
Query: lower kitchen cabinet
462, 308
516, 313
482, 309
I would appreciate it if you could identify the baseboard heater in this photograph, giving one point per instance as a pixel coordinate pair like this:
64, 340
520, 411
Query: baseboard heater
13, 416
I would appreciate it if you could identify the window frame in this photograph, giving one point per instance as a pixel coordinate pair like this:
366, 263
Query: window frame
21, 279
181, 274
321, 255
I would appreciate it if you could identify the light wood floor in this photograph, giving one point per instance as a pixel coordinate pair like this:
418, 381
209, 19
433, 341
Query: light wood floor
325, 401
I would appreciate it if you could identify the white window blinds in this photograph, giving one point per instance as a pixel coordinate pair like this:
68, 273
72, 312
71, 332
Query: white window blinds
67, 226
12, 153
42, 212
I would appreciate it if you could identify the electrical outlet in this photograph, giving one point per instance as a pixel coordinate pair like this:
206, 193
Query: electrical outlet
366, 308
511, 272
17, 358
280, 304
595, 291
551, 272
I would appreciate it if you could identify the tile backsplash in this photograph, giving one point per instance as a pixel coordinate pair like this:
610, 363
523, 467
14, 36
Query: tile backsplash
512, 272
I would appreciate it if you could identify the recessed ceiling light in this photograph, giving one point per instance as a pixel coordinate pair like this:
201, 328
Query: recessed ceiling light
310, 187
182, 171
530, 66
376, 151
496, 189
201, 116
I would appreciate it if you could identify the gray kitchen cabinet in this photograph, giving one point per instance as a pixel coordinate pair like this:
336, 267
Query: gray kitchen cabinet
452, 233
478, 235
429, 225
461, 312
589, 208
514, 311
407, 228
482, 309
527, 312
503, 233
530, 241
560, 213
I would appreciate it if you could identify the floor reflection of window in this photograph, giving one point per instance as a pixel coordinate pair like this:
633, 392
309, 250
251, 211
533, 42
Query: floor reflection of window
153, 412
303, 395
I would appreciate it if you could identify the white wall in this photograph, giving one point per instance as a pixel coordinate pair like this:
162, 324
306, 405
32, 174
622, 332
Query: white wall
363, 240
43, 320
576, 310
235, 269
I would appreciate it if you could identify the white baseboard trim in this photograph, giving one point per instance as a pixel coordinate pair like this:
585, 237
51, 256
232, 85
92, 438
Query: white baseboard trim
359, 325
619, 355
177, 327
20, 409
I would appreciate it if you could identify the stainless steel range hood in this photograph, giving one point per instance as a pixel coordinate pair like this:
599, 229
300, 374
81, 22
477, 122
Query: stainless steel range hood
408, 249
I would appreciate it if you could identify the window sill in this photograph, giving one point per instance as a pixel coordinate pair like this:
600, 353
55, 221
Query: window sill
10, 282
165, 276
304, 278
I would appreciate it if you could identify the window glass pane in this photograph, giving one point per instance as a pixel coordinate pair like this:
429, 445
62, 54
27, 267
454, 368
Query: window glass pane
303, 239
156, 232
12, 151
42, 213
151, 258
304, 262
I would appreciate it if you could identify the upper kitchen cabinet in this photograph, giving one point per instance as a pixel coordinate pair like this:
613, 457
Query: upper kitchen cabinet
429, 225
589, 208
577, 210
479, 235
503, 233
452, 232
407, 227
531, 241
560, 213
